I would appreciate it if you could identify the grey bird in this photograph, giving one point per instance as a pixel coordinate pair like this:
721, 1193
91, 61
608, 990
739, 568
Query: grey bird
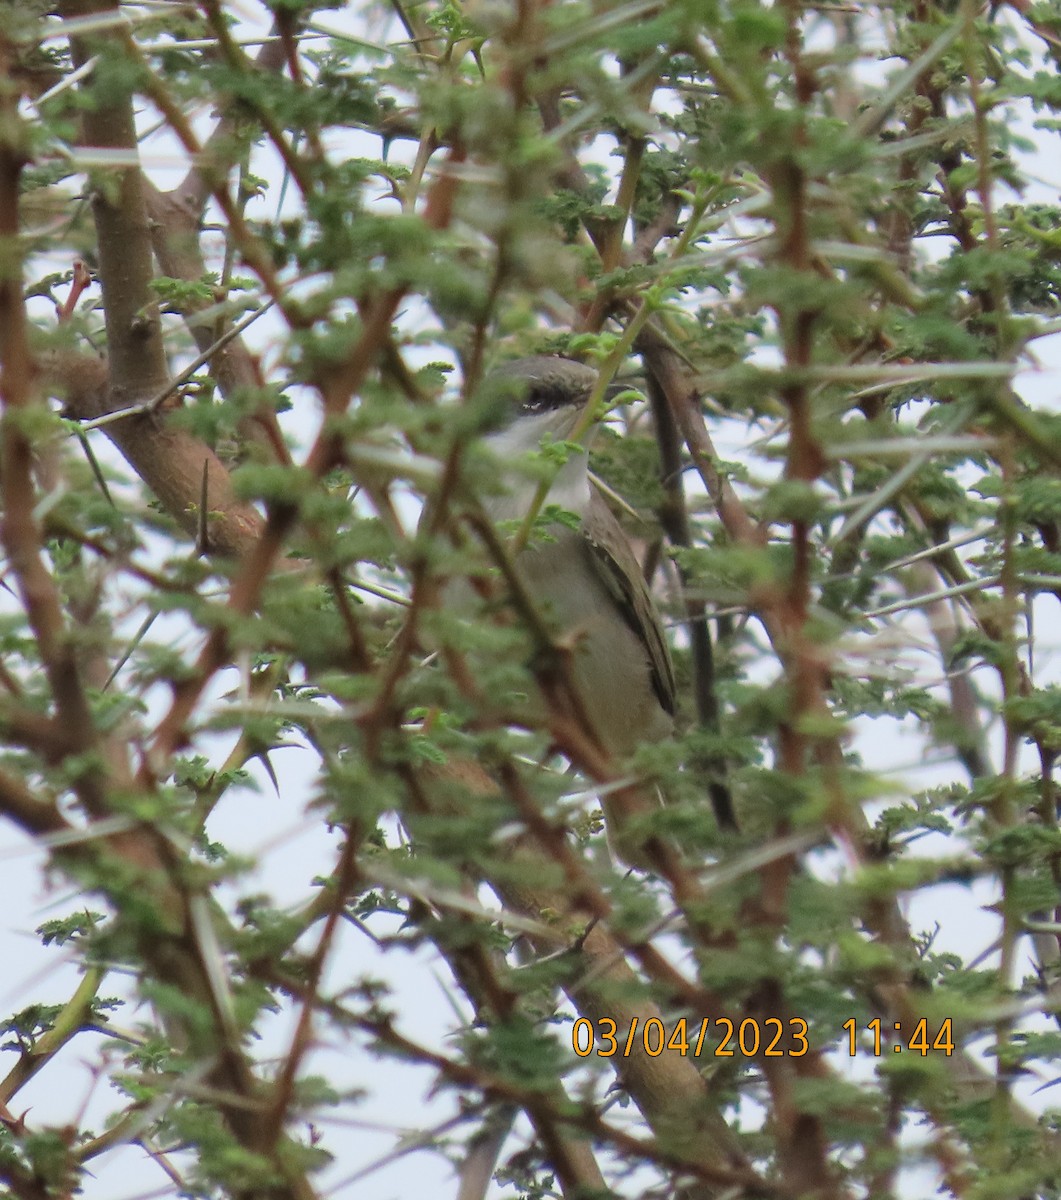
586, 581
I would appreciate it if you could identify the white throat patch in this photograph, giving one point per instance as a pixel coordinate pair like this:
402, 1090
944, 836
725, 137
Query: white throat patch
569, 490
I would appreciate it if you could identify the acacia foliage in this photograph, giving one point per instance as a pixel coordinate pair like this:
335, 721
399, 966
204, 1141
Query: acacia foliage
807, 231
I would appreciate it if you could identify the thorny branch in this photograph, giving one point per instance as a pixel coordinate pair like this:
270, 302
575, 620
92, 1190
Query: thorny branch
538, 872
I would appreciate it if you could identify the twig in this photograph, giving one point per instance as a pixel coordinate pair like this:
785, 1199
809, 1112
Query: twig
159, 398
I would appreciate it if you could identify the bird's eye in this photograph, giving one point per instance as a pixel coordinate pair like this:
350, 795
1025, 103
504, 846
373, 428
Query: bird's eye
498, 399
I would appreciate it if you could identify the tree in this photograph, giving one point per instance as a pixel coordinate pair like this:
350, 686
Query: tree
800, 228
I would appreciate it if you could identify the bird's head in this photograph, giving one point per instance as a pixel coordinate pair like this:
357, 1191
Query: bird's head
543, 393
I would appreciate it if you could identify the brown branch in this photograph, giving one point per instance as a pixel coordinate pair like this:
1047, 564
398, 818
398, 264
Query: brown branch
261, 556
143, 857
321, 455
481, 1153
660, 1150
24, 1184
227, 140
969, 739
170, 461
236, 59
134, 334
175, 221
36, 732
337, 387
33, 816
883, 919
674, 519
670, 371
254, 252
672, 1095
480, 975
19, 529
346, 880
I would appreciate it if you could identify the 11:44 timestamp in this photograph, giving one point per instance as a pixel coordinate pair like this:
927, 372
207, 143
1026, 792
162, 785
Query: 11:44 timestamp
920, 1041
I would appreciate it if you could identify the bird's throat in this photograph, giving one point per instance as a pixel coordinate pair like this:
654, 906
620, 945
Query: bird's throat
569, 489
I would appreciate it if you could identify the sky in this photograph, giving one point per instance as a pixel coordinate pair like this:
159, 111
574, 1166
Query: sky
286, 844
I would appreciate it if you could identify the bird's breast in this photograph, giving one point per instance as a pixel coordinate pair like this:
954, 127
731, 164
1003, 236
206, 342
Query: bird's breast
610, 663
569, 491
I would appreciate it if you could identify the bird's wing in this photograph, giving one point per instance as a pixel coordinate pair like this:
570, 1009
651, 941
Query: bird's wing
616, 564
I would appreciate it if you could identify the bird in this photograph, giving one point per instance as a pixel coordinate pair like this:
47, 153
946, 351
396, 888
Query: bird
585, 580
